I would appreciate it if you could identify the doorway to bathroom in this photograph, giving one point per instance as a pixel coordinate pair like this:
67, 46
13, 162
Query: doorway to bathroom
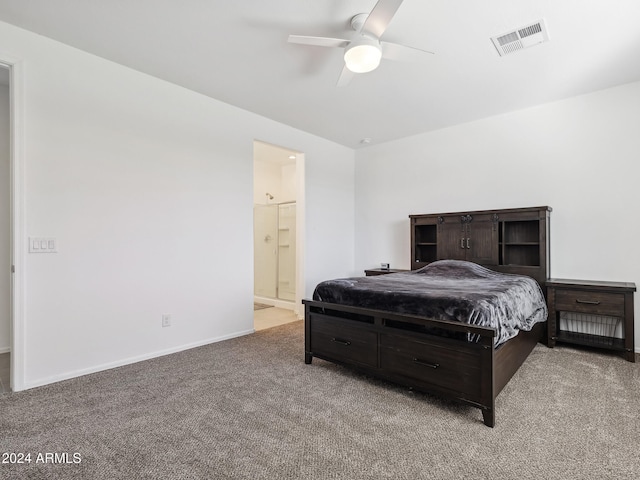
276, 226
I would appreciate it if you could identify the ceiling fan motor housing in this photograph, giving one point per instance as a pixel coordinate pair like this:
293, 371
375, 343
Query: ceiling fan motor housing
357, 21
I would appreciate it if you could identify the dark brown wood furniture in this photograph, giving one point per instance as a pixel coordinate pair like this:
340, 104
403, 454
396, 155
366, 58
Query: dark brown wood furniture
394, 347
592, 313
403, 349
370, 272
514, 240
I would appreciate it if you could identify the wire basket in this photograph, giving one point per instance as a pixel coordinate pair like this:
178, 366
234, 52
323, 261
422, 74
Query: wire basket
599, 328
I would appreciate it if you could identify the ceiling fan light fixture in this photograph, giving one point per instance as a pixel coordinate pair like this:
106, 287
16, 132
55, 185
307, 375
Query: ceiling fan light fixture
363, 55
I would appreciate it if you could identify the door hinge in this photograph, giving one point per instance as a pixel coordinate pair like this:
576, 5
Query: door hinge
13, 269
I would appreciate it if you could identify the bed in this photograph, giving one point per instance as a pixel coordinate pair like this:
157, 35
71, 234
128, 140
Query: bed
453, 328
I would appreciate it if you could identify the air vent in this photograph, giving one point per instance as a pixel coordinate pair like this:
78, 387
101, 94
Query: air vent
521, 38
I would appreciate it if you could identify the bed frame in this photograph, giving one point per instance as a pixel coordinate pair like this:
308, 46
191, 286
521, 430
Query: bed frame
404, 349
398, 348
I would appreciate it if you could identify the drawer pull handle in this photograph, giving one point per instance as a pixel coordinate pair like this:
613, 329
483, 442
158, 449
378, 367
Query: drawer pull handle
588, 302
425, 364
341, 342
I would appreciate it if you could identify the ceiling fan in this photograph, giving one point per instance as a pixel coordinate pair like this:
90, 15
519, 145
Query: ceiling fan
363, 52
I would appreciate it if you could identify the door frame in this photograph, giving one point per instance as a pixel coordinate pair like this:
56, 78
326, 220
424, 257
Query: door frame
17, 220
300, 233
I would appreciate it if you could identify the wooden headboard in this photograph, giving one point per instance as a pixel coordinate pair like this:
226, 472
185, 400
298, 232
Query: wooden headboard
514, 240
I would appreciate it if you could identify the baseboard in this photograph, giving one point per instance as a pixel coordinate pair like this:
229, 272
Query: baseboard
5, 350
128, 361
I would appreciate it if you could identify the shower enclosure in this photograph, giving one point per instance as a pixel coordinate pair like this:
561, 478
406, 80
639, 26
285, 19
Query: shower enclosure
274, 247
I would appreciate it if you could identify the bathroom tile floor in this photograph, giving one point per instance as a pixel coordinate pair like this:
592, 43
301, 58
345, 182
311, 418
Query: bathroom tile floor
272, 317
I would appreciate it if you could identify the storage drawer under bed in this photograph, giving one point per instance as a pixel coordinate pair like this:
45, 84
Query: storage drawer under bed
431, 364
343, 341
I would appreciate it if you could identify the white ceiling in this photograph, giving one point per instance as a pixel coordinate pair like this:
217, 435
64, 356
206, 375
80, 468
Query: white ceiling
237, 52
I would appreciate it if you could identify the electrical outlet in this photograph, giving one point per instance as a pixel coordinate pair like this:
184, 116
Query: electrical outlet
166, 320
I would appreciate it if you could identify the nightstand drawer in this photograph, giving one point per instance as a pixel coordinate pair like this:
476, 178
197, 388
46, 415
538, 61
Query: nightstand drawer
597, 303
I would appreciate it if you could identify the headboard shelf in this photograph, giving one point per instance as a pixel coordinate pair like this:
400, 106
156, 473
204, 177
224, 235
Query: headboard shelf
513, 240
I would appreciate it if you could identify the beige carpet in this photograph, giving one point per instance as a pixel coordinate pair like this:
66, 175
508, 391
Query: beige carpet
249, 408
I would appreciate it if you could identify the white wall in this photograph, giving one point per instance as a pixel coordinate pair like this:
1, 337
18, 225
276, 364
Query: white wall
279, 180
5, 276
148, 189
579, 156
266, 178
288, 178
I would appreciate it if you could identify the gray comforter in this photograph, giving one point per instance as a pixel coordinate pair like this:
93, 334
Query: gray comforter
447, 290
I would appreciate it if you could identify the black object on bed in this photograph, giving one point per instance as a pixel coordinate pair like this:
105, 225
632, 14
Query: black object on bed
452, 290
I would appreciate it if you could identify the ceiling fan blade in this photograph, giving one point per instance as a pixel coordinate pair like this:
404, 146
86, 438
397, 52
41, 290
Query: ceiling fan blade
380, 17
318, 41
345, 77
402, 53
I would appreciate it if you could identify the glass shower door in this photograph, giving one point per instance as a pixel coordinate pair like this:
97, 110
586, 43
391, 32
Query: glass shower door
287, 251
265, 250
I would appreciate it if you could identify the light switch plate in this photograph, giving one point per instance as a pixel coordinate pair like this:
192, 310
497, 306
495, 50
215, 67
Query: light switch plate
43, 245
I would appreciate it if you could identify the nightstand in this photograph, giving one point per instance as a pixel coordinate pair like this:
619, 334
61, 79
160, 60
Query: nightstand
382, 271
591, 313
